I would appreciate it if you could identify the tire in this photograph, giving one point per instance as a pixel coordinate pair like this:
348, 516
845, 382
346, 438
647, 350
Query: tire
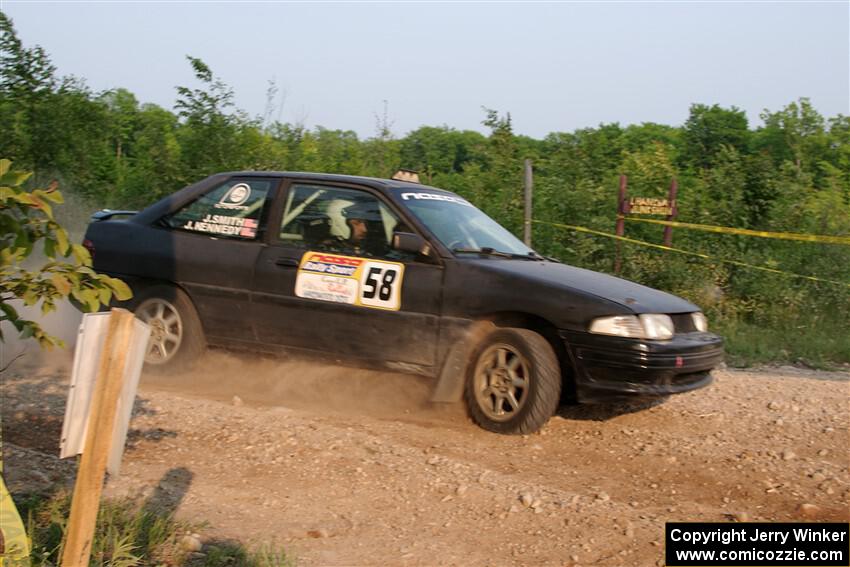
177, 337
513, 382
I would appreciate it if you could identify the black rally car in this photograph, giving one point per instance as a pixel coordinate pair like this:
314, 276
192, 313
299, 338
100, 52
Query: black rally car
402, 274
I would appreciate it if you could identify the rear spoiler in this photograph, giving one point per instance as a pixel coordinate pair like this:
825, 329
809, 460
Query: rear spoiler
107, 214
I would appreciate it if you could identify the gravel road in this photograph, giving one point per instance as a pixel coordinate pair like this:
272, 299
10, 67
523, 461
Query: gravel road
343, 466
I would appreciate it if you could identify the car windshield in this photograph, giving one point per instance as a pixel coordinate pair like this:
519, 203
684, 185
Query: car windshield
460, 226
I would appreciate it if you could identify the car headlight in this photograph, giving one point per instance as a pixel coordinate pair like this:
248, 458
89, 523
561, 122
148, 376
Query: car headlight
700, 321
618, 325
656, 326
647, 326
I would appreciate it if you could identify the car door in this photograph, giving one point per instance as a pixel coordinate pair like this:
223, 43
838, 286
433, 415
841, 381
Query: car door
210, 247
319, 287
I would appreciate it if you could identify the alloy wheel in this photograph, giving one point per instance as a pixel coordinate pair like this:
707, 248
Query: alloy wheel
166, 329
501, 382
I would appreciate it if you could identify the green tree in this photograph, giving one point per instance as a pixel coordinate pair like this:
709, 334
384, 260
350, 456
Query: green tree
208, 136
794, 134
382, 150
26, 220
709, 129
587, 154
153, 165
500, 189
27, 83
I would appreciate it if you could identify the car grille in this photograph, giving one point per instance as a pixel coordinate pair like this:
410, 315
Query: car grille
683, 323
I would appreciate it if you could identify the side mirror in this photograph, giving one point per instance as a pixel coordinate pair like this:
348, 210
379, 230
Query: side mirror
410, 242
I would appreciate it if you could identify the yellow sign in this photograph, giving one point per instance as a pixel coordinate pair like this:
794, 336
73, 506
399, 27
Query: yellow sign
650, 206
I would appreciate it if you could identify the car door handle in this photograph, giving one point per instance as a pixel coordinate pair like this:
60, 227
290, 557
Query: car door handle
287, 262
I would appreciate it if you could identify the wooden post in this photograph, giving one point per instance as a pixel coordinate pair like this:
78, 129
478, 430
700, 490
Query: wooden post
529, 183
622, 209
671, 199
104, 404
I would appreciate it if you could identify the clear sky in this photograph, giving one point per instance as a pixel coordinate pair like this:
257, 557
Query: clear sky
553, 66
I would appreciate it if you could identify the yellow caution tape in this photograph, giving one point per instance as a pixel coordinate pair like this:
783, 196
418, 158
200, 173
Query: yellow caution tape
689, 253
745, 231
16, 545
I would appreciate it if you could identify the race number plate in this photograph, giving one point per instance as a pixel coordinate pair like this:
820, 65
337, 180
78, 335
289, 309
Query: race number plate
346, 279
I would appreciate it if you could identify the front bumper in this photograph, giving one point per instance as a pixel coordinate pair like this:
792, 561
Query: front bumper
610, 368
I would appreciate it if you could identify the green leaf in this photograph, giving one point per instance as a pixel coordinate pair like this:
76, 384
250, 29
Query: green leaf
42, 204
104, 295
22, 240
81, 255
54, 197
47, 307
62, 241
61, 283
5, 164
28, 330
49, 247
16, 178
10, 311
24, 198
121, 289
88, 297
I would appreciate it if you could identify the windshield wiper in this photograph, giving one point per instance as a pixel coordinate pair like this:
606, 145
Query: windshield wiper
488, 251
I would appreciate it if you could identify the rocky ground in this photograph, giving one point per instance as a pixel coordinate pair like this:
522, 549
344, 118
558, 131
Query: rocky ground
351, 467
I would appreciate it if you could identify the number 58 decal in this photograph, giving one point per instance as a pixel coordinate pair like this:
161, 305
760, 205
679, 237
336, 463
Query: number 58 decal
380, 284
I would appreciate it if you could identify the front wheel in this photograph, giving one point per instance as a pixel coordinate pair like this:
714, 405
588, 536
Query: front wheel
177, 338
513, 383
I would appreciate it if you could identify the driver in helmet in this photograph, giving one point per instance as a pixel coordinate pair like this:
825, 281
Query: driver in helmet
366, 234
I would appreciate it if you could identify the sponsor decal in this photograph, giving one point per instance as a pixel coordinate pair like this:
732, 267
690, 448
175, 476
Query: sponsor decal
331, 264
345, 279
224, 225
435, 197
329, 268
235, 197
326, 288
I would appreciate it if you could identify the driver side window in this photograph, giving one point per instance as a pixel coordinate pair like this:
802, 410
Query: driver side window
339, 220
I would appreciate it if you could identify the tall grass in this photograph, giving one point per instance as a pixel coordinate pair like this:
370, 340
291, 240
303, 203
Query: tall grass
129, 534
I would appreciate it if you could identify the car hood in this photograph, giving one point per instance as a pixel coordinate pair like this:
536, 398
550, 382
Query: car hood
555, 276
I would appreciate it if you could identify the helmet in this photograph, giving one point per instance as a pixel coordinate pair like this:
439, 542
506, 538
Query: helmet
315, 226
362, 210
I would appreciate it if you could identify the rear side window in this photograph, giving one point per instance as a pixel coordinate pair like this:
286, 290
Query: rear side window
231, 210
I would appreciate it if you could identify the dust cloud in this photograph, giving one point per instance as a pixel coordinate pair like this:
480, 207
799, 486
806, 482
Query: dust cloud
298, 383
308, 384
25, 354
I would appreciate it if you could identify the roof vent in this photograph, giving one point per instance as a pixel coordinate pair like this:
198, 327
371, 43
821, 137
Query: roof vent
406, 175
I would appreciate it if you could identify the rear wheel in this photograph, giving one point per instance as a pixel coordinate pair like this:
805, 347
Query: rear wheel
514, 382
177, 338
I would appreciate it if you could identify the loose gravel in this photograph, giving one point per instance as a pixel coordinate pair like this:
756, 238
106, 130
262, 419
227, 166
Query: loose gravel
353, 467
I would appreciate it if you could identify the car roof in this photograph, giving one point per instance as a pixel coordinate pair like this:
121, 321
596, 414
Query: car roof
375, 182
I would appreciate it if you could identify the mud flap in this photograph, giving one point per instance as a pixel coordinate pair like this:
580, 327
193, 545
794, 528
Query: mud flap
452, 377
